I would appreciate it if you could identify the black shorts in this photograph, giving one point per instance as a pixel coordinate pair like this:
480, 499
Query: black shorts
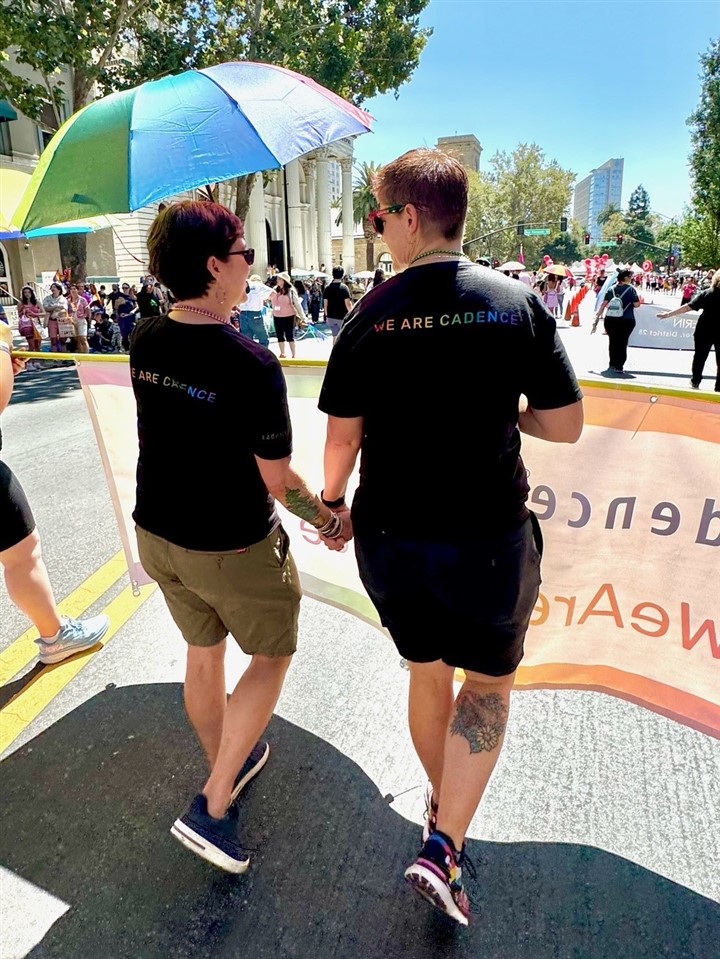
467, 604
16, 518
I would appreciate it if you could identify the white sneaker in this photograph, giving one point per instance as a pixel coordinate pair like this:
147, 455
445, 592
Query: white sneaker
73, 636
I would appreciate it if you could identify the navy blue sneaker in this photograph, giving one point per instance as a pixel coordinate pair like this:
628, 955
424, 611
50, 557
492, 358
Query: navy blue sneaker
215, 840
251, 767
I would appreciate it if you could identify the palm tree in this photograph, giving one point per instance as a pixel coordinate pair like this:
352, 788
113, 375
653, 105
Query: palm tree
364, 203
608, 213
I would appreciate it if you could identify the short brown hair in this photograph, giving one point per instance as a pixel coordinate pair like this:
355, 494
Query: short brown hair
433, 181
181, 239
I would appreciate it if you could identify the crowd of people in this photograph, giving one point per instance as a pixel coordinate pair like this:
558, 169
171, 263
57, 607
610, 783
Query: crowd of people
85, 318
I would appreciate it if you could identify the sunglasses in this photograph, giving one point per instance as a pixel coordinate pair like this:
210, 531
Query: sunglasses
376, 216
249, 255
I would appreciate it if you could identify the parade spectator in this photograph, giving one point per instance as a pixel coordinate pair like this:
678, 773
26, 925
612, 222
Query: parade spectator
303, 296
551, 294
618, 328
26, 576
55, 306
30, 319
377, 279
106, 335
79, 310
126, 307
707, 329
225, 570
688, 291
148, 301
455, 587
337, 301
114, 295
315, 301
252, 324
286, 311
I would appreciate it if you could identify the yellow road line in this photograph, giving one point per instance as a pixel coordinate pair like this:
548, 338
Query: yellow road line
19, 653
50, 681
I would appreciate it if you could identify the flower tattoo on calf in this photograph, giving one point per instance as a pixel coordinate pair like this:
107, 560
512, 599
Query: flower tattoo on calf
481, 718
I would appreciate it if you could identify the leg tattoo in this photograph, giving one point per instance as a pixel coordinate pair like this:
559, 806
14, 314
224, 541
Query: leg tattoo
481, 719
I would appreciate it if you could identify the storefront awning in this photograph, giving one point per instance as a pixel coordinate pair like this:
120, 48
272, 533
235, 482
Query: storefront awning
6, 111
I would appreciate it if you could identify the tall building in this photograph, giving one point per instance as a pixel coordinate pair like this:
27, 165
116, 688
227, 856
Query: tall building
466, 148
598, 190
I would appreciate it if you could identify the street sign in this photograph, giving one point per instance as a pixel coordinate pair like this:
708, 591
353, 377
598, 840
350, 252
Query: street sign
607, 243
536, 231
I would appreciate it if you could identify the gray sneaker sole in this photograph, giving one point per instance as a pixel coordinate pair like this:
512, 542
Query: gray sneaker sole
61, 654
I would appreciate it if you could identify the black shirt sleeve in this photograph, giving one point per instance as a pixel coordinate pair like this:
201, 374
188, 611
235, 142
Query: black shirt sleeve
549, 377
342, 392
699, 301
271, 432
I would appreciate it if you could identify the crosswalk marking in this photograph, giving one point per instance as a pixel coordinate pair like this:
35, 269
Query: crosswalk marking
19, 653
51, 680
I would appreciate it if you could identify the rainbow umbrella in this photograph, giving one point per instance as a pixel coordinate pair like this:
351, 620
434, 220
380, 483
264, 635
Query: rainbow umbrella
13, 184
165, 136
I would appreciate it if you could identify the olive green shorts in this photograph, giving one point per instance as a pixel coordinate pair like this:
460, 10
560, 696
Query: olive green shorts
252, 593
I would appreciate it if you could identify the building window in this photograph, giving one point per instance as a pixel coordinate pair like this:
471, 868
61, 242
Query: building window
5, 141
47, 125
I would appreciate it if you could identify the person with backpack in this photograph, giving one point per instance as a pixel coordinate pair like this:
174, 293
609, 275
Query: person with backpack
618, 309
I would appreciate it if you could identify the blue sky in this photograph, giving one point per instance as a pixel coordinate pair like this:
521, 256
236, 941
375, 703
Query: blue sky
586, 81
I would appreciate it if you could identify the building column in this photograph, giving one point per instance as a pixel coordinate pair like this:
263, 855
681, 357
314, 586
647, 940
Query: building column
256, 232
295, 232
323, 211
312, 234
348, 218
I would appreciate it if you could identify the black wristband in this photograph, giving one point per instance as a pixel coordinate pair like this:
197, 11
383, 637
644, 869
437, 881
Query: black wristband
332, 503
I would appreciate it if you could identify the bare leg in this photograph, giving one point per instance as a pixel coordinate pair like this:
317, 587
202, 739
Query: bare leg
205, 696
474, 739
247, 714
28, 584
430, 705
292, 348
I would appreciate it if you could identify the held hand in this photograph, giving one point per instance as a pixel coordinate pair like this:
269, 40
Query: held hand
347, 527
18, 364
662, 315
335, 545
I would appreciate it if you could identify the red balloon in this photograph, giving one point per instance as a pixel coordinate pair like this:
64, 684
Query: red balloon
605, 257
596, 258
587, 261
547, 259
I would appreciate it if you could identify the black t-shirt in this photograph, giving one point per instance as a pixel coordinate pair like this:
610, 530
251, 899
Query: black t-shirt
336, 293
435, 360
629, 299
709, 302
208, 400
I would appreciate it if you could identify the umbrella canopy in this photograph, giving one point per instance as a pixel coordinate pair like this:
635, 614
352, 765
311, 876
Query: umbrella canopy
13, 184
165, 136
364, 275
513, 266
558, 269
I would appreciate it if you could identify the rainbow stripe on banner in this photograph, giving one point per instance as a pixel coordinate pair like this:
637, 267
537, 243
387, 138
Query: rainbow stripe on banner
630, 516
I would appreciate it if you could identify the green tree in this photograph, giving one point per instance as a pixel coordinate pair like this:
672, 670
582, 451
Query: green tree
701, 226
608, 213
519, 187
357, 48
564, 248
639, 205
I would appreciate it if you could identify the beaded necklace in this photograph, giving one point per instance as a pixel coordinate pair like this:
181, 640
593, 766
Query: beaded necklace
436, 252
188, 308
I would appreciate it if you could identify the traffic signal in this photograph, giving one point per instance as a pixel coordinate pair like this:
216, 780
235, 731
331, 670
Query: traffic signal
563, 224
620, 238
587, 239
521, 229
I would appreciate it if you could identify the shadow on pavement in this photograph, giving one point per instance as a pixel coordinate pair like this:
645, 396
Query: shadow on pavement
45, 384
87, 808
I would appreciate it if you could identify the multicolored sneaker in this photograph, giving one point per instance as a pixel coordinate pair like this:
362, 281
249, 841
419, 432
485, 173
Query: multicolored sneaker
251, 767
74, 636
436, 875
215, 840
430, 815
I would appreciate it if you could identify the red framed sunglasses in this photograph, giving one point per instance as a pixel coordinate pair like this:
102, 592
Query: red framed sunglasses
376, 216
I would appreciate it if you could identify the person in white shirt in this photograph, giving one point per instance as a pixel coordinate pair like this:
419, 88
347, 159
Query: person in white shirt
251, 311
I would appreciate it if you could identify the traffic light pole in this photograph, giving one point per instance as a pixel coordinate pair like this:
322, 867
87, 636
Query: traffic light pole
507, 229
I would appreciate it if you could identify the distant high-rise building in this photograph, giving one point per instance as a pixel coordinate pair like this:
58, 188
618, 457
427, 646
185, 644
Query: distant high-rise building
466, 148
598, 190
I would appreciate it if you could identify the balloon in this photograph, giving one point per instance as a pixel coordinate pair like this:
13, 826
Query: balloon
587, 261
596, 258
547, 259
605, 257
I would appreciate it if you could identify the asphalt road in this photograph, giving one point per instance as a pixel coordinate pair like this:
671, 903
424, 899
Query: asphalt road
599, 835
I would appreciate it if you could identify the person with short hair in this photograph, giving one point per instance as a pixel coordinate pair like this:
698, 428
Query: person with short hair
228, 569
337, 301
426, 381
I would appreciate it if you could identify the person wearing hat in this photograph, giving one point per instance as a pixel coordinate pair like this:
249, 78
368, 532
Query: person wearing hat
106, 337
286, 309
251, 311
